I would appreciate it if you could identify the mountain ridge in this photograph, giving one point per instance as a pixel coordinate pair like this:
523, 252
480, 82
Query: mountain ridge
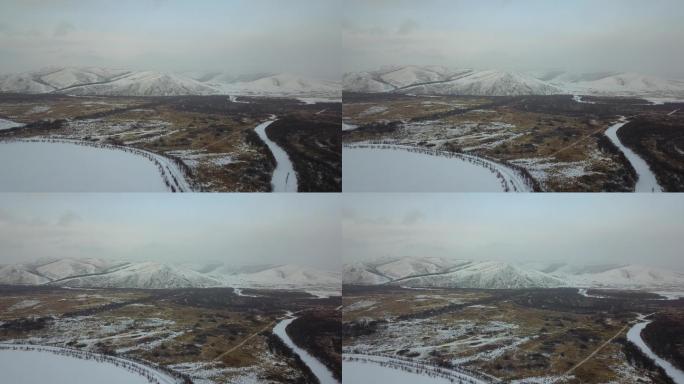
431, 80
95, 81
418, 272
96, 273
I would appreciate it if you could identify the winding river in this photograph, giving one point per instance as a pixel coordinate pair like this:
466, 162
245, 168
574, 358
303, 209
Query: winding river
646, 180
284, 178
634, 335
56, 165
396, 168
321, 371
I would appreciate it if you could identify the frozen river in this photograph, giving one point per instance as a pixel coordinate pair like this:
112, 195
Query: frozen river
321, 371
634, 335
41, 166
398, 169
646, 181
284, 177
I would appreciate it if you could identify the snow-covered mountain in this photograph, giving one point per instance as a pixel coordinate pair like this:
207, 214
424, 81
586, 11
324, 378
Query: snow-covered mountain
118, 82
56, 78
149, 275
362, 274
488, 83
432, 80
275, 85
95, 273
627, 276
62, 268
145, 84
364, 82
278, 276
20, 274
436, 272
487, 275
617, 84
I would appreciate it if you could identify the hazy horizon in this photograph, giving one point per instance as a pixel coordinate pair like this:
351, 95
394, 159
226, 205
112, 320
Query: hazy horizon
245, 229
236, 36
577, 36
583, 229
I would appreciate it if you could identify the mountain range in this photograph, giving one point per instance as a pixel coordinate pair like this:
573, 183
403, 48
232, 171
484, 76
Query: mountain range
118, 82
439, 272
435, 80
96, 273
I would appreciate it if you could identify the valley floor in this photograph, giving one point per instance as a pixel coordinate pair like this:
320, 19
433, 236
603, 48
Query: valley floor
210, 139
559, 142
207, 335
526, 335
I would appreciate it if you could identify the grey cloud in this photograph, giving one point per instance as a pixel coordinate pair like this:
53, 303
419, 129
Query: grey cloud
63, 29
407, 26
68, 218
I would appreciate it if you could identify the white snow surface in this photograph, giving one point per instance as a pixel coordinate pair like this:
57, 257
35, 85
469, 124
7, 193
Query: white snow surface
628, 276
120, 82
370, 373
438, 80
439, 272
375, 369
20, 275
634, 335
400, 169
8, 124
358, 273
487, 274
646, 181
284, 177
63, 166
279, 85
283, 276
144, 275
18, 366
61, 268
348, 126
319, 370
94, 273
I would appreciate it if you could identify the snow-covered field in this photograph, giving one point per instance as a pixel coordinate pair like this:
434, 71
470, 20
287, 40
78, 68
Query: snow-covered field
65, 167
284, 177
8, 124
319, 370
634, 335
647, 181
367, 372
348, 126
394, 168
583, 292
359, 368
43, 364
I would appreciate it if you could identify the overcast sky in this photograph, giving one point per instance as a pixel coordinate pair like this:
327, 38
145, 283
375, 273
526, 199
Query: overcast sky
240, 228
577, 228
238, 36
577, 35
